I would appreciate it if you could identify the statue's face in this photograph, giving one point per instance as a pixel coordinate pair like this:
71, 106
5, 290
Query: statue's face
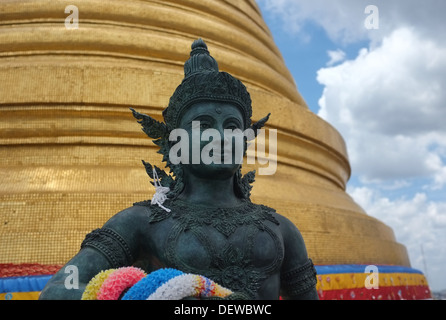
213, 120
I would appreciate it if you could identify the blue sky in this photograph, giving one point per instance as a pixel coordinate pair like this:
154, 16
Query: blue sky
304, 56
384, 90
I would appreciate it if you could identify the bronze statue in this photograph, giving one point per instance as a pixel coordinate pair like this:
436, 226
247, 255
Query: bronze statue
201, 219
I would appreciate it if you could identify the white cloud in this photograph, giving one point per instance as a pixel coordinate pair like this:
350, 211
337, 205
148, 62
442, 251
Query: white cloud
336, 56
388, 104
343, 20
417, 222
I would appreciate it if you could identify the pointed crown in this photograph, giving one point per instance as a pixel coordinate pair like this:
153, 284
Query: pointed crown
204, 82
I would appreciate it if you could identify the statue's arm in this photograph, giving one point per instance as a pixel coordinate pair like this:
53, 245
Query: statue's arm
114, 245
298, 275
70, 281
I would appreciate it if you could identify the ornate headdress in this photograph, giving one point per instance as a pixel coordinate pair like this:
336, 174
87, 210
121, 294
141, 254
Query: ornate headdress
202, 82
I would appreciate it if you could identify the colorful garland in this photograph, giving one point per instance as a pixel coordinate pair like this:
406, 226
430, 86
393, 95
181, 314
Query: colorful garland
189, 285
146, 286
163, 284
118, 281
93, 287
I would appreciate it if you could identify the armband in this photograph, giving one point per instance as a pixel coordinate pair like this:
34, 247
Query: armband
299, 280
111, 245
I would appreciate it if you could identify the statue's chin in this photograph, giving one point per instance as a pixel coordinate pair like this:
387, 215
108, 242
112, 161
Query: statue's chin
213, 171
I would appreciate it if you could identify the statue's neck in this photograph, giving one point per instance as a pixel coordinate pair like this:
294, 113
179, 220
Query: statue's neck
209, 192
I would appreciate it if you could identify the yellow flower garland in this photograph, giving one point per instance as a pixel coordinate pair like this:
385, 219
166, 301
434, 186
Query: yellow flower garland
92, 289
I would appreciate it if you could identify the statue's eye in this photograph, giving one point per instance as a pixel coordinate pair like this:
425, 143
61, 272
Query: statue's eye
232, 126
204, 125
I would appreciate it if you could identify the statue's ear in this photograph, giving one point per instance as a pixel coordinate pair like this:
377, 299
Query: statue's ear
153, 128
259, 125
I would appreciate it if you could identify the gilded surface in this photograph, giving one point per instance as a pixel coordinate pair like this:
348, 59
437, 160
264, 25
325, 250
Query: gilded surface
70, 150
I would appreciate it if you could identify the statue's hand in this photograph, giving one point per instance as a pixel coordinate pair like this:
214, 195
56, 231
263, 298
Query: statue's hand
233, 296
237, 296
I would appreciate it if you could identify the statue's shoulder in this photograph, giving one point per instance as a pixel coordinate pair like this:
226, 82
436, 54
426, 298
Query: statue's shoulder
284, 221
285, 224
145, 203
290, 232
126, 218
137, 209
134, 215
154, 213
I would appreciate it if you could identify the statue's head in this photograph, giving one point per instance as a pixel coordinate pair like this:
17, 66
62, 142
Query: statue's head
207, 99
203, 82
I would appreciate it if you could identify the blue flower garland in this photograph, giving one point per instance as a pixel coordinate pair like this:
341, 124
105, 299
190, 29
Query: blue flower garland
146, 286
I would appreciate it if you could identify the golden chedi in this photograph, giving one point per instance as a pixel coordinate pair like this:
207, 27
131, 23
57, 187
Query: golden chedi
71, 150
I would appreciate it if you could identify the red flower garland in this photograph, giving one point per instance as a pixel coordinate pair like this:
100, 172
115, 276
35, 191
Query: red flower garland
118, 281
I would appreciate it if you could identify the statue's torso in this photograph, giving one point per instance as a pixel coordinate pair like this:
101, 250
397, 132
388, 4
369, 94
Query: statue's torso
240, 248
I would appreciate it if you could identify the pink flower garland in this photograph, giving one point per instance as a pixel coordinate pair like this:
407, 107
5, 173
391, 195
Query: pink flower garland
118, 281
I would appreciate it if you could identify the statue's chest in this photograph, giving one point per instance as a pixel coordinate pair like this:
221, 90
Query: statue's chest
238, 252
